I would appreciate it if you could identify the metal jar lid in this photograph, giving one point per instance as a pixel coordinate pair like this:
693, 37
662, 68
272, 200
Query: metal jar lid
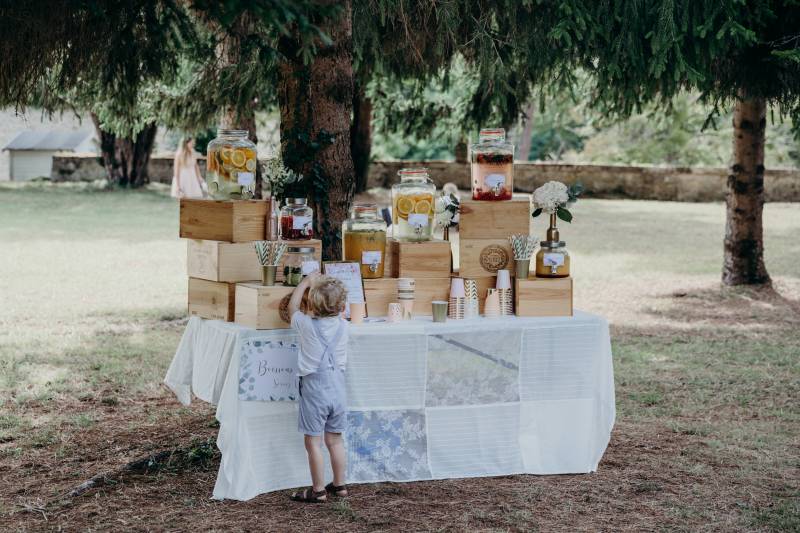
300, 250
296, 201
552, 244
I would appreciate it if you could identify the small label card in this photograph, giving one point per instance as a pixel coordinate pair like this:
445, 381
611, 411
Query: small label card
494, 180
301, 222
418, 220
307, 267
372, 257
555, 260
268, 371
245, 178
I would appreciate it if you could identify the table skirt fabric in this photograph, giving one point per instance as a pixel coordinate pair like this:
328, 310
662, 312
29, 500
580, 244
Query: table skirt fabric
467, 398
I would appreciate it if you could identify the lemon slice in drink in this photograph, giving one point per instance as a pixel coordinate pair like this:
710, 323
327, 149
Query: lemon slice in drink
238, 158
225, 153
423, 207
250, 165
405, 205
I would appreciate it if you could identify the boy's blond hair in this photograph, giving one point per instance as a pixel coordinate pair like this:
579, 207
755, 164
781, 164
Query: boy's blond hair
327, 297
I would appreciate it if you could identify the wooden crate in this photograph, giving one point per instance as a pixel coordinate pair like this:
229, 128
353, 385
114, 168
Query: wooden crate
429, 259
224, 220
484, 257
259, 307
222, 261
316, 244
213, 300
494, 220
383, 291
543, 297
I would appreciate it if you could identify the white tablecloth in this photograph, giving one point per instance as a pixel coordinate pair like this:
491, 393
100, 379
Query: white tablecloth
479, 397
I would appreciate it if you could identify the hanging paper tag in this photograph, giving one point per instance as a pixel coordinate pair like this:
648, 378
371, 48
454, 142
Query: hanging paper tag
245, 178
418, 220
371, 257
307, 267
494, 180
301, 222
556, 260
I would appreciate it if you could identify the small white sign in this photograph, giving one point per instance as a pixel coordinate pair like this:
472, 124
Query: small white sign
307, 267
550, 260
494, 180
418, 220
371, 257
245, 178
349, 274
268, 371
300, 222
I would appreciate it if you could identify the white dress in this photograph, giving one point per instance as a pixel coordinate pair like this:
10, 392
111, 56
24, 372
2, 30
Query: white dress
190, 185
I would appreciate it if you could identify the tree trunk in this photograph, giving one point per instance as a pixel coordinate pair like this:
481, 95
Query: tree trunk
229, 54
126, 159
361, 136
316, 102
743, 262
527, 131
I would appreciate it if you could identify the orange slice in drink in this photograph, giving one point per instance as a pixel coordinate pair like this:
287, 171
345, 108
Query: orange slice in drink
423, 207
405, 205
225, 153
250, 165
238, 158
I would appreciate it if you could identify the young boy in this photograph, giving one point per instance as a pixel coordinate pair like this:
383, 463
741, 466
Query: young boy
323, 400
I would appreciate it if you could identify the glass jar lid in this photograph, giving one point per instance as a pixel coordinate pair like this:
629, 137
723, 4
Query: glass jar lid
296, 201
492, 134
224, 132
364, 211
552, 244
413, 173
300, 250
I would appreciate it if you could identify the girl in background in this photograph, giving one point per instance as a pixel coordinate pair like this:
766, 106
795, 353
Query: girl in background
187, 181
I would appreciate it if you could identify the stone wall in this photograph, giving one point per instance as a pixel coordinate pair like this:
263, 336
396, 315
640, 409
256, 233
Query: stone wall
601, 181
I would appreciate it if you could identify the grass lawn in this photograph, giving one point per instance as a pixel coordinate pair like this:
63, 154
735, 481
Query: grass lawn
92, 305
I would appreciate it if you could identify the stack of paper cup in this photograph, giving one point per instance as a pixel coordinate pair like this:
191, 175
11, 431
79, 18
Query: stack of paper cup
491, 308
505, 293
405, 295
472, 305
395, 313
458, 299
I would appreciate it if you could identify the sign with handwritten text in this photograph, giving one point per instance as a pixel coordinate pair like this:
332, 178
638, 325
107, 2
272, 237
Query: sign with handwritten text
268, 371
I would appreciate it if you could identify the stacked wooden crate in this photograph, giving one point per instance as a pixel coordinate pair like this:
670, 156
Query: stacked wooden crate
221, 255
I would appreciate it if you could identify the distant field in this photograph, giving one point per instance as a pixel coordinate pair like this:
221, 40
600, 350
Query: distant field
92, 305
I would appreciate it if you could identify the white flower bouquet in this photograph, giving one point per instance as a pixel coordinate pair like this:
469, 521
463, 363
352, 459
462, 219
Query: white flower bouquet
555, 197
278, 177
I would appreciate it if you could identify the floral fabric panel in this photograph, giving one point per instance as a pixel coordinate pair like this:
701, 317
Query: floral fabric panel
473, 368
268, 370
387, 446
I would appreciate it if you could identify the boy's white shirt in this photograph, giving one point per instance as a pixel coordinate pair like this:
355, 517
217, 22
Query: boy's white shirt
311, 349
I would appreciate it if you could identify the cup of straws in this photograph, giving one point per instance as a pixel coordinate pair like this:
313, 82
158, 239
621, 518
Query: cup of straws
523, 247
269, 254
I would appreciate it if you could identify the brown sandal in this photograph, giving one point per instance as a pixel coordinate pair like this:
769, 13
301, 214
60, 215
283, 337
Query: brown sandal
309, 496
336, 491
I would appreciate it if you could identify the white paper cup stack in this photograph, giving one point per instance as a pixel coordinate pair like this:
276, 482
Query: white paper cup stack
491, 309
472, 304
458, 299
505, 293
405, 296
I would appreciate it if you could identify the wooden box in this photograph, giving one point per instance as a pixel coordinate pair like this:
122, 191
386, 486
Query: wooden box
381, 292
213, 300
543, 297
222, 261
484, 257
494, 220
259, 307
429, 259
224, 220
316, 244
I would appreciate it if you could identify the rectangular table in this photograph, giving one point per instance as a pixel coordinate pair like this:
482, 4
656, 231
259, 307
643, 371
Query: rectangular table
467, 398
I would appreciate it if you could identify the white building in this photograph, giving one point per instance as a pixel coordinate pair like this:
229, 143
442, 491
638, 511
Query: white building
31, 151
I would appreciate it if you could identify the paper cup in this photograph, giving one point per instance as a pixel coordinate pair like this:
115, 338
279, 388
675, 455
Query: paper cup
408, 308
503, 279
357, 313
405, 283
395, 313
457, 288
